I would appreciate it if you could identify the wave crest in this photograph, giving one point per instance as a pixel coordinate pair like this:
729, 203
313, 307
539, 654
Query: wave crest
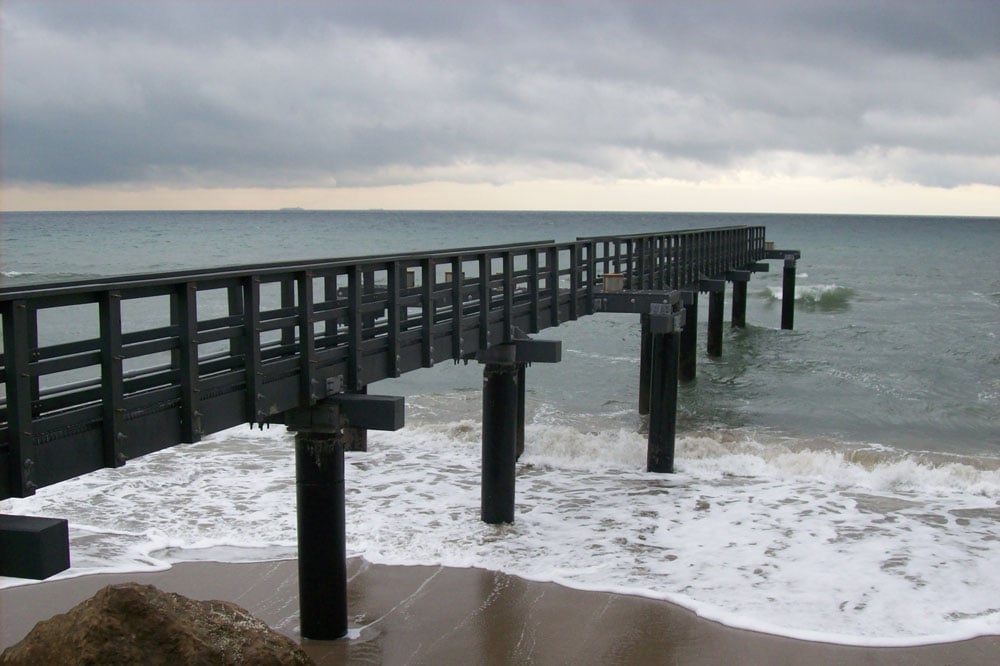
821, 297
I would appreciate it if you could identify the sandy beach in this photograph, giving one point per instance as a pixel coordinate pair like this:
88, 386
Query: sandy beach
437, 615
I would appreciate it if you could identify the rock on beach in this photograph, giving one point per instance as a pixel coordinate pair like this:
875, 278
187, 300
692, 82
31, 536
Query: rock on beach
140, 624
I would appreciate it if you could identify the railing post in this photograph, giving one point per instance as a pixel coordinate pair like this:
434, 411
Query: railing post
574, 280
552, 263
20, 435
508, 296
640, 251
186, 296
308, 384
591, 275
253, 370
112, 378
428, 278
355, 371
533, 289
392, 318
457, 309
485, 273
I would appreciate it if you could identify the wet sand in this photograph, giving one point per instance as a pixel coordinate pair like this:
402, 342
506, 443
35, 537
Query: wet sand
436, 615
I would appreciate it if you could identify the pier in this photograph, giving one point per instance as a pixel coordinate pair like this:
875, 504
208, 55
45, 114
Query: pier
167, 358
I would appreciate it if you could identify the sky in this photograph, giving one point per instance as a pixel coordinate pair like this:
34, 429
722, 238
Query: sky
886, 106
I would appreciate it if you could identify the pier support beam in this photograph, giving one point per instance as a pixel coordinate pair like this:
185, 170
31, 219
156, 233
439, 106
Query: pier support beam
666, 330
716, 306
322, 534
503, 419
521, 379
645, 349
739, 304
320, 501
500, 412
788, 293
688, 361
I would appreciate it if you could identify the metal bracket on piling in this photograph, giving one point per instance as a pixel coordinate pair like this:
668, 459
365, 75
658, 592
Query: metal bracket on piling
781, 254
665, 318
712, 285
738, 276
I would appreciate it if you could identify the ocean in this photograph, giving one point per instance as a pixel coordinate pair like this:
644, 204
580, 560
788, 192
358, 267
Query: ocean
839, 482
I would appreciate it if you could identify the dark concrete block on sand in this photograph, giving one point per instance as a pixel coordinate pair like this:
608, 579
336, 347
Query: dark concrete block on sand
33, 547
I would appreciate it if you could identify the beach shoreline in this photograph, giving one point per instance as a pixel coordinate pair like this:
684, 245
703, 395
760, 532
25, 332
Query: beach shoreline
433, 614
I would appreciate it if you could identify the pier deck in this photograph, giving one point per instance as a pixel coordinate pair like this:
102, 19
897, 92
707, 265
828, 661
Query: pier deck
244, 344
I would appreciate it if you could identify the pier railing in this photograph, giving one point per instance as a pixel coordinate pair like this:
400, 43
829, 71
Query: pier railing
100, 371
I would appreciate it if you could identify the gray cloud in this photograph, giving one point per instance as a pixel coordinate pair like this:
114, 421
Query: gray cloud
368, 93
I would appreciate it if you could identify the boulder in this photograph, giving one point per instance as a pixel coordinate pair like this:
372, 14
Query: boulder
139, 624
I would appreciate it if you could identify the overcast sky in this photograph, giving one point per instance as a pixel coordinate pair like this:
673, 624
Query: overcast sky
838, 106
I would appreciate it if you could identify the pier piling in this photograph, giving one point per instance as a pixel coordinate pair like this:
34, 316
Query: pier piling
663, 396
716, 306
688, 360
321, 521
645, 347
788, 293
739, 319
521, 379
320, 501
500, 421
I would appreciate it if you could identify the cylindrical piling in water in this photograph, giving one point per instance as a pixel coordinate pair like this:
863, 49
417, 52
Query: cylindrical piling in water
716, 305
500, 405
662, 403
520, 410
322, 535
645, 340
739, 304
788, 293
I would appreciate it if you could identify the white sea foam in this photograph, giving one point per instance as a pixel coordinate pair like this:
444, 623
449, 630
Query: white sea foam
819, 296
857, 545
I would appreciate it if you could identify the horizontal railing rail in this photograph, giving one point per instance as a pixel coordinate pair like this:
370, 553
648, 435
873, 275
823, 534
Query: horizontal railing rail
98, 371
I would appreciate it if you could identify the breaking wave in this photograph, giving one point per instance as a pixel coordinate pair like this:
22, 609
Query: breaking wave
820, 297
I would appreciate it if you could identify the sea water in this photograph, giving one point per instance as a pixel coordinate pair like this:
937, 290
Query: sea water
837, 482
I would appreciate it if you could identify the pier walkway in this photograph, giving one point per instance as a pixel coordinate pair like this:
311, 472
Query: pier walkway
98, 372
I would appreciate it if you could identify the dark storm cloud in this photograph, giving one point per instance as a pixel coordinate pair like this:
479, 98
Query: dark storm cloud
367, 93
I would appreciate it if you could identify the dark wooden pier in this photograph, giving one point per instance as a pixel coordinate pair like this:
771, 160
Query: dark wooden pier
300, 343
